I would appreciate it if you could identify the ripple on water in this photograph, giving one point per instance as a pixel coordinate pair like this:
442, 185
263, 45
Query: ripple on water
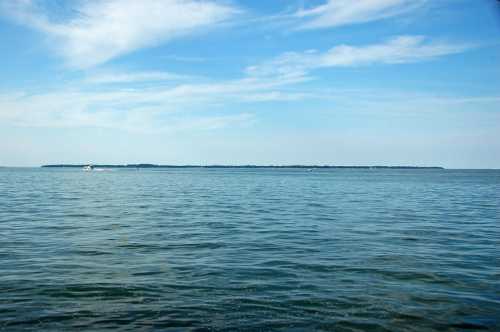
249, 250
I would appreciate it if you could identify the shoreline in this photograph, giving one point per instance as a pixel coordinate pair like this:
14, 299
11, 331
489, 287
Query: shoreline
240, 166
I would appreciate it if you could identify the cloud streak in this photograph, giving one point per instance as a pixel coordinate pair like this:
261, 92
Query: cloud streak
336, 13
134, 77
402, 49
133, 111
115, 100
177, 107
103, 30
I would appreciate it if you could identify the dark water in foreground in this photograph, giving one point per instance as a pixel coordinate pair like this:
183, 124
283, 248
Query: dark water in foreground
290, 250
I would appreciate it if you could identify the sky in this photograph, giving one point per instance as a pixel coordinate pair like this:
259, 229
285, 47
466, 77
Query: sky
338, 82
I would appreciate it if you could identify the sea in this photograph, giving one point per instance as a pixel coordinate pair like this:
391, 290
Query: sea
201, 249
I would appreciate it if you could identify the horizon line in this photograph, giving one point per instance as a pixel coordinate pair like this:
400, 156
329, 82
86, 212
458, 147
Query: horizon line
148, 165
247, 166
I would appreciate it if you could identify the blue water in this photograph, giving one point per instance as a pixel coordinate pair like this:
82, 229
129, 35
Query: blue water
249, 250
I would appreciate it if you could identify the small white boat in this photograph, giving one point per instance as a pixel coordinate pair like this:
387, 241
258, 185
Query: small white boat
88, 168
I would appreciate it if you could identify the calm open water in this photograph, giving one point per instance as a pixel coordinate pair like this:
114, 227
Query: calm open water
249, 250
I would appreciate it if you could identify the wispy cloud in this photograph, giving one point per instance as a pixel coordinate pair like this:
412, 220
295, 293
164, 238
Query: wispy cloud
179, 106
103, 30
157, 106
402, 49
345, 12
180, 58
134, 111
132, 77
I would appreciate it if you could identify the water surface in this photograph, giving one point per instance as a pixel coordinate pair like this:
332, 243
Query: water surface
249, 250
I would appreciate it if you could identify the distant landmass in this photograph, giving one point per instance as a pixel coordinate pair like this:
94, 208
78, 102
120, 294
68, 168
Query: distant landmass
235, 166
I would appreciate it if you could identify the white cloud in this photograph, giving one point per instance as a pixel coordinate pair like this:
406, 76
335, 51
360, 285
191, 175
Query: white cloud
127, 110
344, 12
402, 49
195, 107
114, 100
153, 108
210, 122
102, 30
120, 77
179, 58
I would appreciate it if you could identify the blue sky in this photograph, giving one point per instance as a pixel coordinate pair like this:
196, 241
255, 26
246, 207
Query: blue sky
390, 82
